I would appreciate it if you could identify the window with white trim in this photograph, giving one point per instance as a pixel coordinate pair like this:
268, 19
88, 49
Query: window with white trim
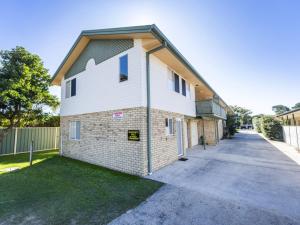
188, 90
176, 83
71, 88
171, 81
169, 124
123, 68
74, 130
183, 87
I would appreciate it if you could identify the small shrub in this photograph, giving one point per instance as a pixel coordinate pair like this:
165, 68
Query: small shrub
271, 128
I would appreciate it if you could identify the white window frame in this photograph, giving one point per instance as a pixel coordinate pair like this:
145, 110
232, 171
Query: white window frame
74, 130
68, 88
188, 90
169, 129
171, 80
171, 84
121, 81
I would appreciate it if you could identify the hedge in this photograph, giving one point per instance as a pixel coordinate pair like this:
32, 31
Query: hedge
271, 128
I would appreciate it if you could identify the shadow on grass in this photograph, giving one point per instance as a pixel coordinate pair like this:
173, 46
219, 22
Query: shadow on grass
59, 190
21, 160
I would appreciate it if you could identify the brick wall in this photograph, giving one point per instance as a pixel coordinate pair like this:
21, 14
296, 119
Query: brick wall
164, 148
103, 140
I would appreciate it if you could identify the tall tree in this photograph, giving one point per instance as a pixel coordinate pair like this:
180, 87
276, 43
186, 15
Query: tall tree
296, 106
243, 115
24, 88
278, 109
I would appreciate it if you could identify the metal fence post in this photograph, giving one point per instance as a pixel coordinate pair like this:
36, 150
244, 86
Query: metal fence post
16, 141
55, 138
30, 153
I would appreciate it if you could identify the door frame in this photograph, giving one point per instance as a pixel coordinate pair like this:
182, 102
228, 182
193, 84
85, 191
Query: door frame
179, 135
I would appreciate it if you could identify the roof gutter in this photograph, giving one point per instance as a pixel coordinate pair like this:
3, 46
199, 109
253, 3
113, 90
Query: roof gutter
149, 128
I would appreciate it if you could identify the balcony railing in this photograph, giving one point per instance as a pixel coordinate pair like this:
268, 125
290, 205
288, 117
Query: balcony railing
210, 108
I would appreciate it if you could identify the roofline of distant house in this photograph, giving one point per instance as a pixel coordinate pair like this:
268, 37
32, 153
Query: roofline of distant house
288, 112
153, 29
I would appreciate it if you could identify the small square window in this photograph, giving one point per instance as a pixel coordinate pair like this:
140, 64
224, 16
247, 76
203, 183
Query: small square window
123, 68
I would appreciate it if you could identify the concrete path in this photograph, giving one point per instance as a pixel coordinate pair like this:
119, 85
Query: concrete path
245, 180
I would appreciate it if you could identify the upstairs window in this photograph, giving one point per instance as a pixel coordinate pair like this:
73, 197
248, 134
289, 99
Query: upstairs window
74, 130
183, 87
71, 88
123, 68
188, 90
169, 126
171, 81
176, 80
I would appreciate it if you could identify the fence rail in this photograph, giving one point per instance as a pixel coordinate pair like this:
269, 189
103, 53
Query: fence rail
18, 140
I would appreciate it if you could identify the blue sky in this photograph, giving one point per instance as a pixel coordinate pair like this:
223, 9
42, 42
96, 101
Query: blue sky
249, 51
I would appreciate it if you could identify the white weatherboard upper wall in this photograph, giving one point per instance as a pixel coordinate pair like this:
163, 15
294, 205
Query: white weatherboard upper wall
98, 87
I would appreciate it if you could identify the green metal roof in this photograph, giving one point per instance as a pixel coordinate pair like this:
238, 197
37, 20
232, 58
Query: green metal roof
154, 30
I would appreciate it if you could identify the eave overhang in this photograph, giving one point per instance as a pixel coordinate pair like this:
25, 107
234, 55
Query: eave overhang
150, 32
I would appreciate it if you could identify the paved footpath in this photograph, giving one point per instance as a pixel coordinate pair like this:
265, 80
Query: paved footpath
245, 180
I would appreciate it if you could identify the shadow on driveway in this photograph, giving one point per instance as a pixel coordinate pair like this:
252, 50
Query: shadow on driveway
244, 180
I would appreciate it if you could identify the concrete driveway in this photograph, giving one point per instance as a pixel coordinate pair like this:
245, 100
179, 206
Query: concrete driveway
241, 181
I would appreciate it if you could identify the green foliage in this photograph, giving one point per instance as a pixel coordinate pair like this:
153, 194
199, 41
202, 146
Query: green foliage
242, 115
296, 106
24, 87
44, 120
278, 109
256, 121
271, 128
231, 125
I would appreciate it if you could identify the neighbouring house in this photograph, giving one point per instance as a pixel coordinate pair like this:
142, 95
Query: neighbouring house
291, 127
131, 102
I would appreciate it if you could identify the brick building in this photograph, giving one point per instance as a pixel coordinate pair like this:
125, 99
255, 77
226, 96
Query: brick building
131, 102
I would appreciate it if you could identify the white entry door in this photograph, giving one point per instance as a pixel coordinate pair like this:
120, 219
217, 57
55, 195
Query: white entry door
179, 136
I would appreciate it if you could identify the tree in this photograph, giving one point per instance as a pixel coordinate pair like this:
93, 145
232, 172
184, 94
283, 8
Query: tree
243, 115
230, 125
45, 120
278, 109
24, 88
296, 106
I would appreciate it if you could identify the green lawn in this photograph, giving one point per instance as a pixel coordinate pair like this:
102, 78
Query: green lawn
58, 190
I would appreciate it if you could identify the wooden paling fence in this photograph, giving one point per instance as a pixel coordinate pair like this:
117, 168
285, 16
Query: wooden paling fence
18, 140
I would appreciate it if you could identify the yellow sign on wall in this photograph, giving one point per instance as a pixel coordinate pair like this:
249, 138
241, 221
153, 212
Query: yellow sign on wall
133, 135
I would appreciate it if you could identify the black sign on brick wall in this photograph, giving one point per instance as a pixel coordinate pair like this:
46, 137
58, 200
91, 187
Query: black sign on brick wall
133, 135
